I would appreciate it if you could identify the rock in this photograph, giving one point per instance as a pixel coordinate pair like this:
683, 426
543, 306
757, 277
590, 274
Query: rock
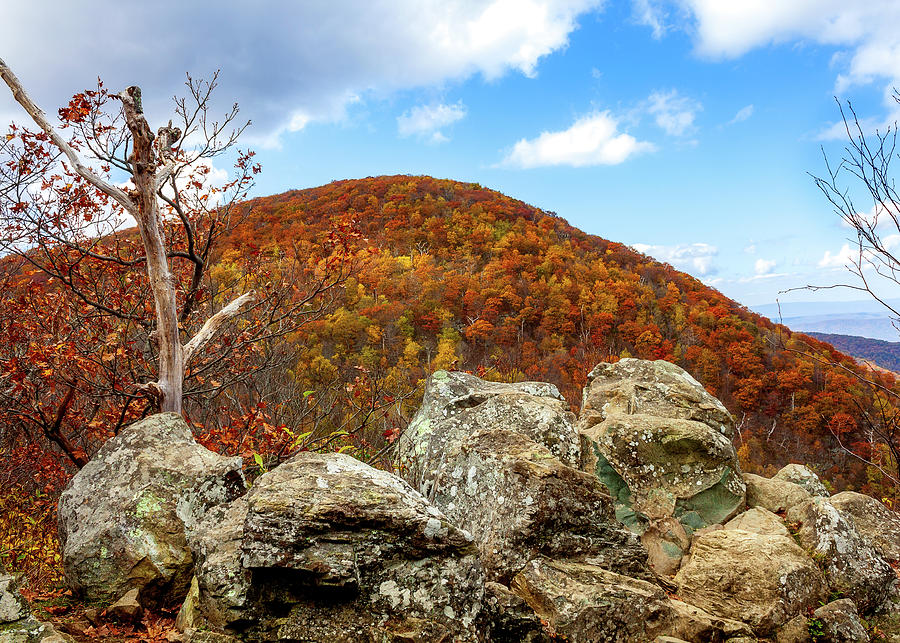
694, 624
518, 500
759, 579
665, 541
803, 476
17, 625
657, 468
840, 623
127, 609
795, 630
123, 518
875, 522
457, 405
851, 565
325, 547
657, 388
585, 603
759, 521
189, 614
508, 617
772, 494
13, 605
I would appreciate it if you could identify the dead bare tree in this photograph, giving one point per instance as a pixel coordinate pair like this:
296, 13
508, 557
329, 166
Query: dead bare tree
156, 165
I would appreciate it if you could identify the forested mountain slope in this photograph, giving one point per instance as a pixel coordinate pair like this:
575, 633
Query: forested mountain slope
459, 276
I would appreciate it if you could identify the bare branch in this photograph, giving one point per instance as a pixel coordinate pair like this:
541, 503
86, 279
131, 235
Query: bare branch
214, 323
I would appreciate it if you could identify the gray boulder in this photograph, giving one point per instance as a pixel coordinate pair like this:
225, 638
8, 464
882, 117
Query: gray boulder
125, 516
773, 494
325, 547
834, 622
662, 445
851, 564
518, 500
803, 476
658, 388
759, 579
875, 522
456, 405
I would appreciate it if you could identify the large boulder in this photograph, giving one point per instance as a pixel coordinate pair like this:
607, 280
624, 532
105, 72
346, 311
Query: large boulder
803, 476
759, 521
852, 566
662, 445
773, 494
834, 622
875, 522
125, 516
658, 388
456, 405
325, 547
760, 579
518, 500
584, 603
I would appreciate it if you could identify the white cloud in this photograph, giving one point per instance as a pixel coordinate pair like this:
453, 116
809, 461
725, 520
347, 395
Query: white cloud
673, 113
651, 14
591, 140
743, 114
426, 121
846, 255
751, 249
764, 266
695, 258
288, 64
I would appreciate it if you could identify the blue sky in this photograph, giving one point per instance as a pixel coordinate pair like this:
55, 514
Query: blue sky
685, 128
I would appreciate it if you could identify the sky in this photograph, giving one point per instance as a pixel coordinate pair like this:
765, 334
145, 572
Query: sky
687, 129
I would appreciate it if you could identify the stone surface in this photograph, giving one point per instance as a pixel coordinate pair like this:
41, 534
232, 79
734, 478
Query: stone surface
127, 609
12, 605
585, 603
658, 388
189, 614
772, 494
875, 522
457, 405
851, 565
840, 623
694, 624
508, 617
659, 467
758, 579
759, 521
518, 500
803, 476
665, 541
327, 548
124, 516
795, 630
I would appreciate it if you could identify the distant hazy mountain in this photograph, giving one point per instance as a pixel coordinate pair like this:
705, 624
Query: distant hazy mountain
881, 353
855, 318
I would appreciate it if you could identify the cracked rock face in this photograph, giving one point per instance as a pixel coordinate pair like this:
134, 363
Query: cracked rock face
762, 580
852, 566
662, 446
327, 548
456, 405
124, 518
875, 522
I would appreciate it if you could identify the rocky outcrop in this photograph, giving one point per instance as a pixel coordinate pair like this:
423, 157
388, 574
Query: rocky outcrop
761, 580
17, 625
852, 566
457, 405
325, 547
834, 622
773, 495
803, 476
125, 516
662, 445
875, 522
498, 460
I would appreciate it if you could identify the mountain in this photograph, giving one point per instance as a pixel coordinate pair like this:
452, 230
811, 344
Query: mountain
865, 318
883, 354
454, 275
